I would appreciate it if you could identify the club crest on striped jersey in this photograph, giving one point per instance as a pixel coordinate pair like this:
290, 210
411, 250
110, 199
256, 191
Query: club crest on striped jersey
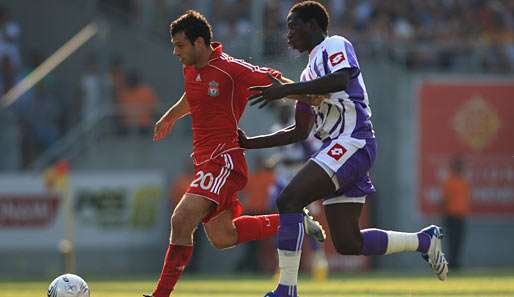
213, 89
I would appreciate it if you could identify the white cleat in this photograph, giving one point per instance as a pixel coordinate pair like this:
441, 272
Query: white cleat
435, 256
313, 227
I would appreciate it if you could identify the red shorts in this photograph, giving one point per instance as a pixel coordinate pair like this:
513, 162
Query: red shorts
219, 180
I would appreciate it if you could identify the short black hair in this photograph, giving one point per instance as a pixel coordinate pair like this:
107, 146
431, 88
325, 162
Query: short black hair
312, 10
194, 25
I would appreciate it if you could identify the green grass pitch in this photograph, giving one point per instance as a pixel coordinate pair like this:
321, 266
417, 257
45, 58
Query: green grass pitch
480, 284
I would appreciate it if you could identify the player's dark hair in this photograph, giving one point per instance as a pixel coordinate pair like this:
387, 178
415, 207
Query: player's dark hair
194, 25
312, 10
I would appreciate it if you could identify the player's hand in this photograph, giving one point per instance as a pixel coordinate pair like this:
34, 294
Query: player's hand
162, 128
243, 139
266, 94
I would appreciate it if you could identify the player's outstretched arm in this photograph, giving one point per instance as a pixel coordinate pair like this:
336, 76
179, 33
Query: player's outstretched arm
333, 82
294, 133
309, 99
165, 124
313, 100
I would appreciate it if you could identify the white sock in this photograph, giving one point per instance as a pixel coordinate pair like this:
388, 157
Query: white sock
289, 263
401, 242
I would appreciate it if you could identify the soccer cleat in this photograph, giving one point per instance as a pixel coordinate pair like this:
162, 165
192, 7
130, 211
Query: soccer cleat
144, 295
313, 227
435, 256
275, 294
283, 291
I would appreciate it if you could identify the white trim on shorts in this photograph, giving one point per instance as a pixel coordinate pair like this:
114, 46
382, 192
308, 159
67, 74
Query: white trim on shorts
344, 199
187, 194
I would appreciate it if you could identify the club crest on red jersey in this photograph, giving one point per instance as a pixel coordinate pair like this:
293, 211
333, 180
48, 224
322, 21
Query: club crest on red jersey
337, 151
213, 90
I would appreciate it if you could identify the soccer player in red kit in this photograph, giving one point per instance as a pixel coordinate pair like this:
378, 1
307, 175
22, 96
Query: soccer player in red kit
216, 91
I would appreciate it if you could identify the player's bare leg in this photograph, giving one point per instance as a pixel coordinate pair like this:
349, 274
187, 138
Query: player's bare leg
224, 231
221, 231
348, 239
186, 217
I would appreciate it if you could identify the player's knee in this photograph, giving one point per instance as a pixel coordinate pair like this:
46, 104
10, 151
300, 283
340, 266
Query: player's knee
222, 239
181, 225
348, 247
221, 243
288, 203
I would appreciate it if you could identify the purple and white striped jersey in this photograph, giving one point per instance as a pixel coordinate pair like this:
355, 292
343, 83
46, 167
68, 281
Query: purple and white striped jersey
345, 113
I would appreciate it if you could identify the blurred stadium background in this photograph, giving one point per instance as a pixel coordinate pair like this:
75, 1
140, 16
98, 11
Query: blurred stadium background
439, 76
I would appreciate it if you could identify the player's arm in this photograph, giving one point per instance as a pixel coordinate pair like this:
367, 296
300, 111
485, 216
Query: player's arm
251, 76
165, 124
333, 82
294, 133
314, 100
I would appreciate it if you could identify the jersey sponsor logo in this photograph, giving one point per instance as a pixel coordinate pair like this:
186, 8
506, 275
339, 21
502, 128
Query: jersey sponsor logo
213, 90
337, 151
198, 77
336, 58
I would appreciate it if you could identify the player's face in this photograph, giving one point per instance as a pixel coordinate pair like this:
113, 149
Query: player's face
297, 33
183, 49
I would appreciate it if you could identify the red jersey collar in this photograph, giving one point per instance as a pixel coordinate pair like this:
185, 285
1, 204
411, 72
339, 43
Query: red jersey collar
217, 49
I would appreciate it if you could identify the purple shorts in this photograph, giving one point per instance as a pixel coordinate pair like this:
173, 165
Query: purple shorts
348, 161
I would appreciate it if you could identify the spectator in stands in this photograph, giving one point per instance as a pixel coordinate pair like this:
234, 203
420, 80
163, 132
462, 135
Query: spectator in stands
456, 209
9, 33
44, 118
116, 83
440, 34
8, 75
92, 99
20, 108
117, 78
233, 23
273, 29
420, 34
137, 105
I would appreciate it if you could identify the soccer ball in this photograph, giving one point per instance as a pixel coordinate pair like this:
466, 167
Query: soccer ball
68, 285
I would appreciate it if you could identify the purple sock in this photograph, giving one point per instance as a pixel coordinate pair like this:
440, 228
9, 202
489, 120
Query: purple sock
290, 231
424, 242
283, 291
374, 242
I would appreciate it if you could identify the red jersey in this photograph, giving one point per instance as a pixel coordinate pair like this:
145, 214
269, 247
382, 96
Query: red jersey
217, 95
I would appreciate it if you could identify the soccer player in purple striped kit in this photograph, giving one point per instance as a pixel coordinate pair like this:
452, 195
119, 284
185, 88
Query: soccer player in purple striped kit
339, 171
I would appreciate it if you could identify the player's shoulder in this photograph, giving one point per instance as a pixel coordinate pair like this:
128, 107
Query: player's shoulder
228, 62
337, 40
224, 61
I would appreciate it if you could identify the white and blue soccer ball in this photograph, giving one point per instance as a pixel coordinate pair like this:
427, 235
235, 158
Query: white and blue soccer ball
68, 285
